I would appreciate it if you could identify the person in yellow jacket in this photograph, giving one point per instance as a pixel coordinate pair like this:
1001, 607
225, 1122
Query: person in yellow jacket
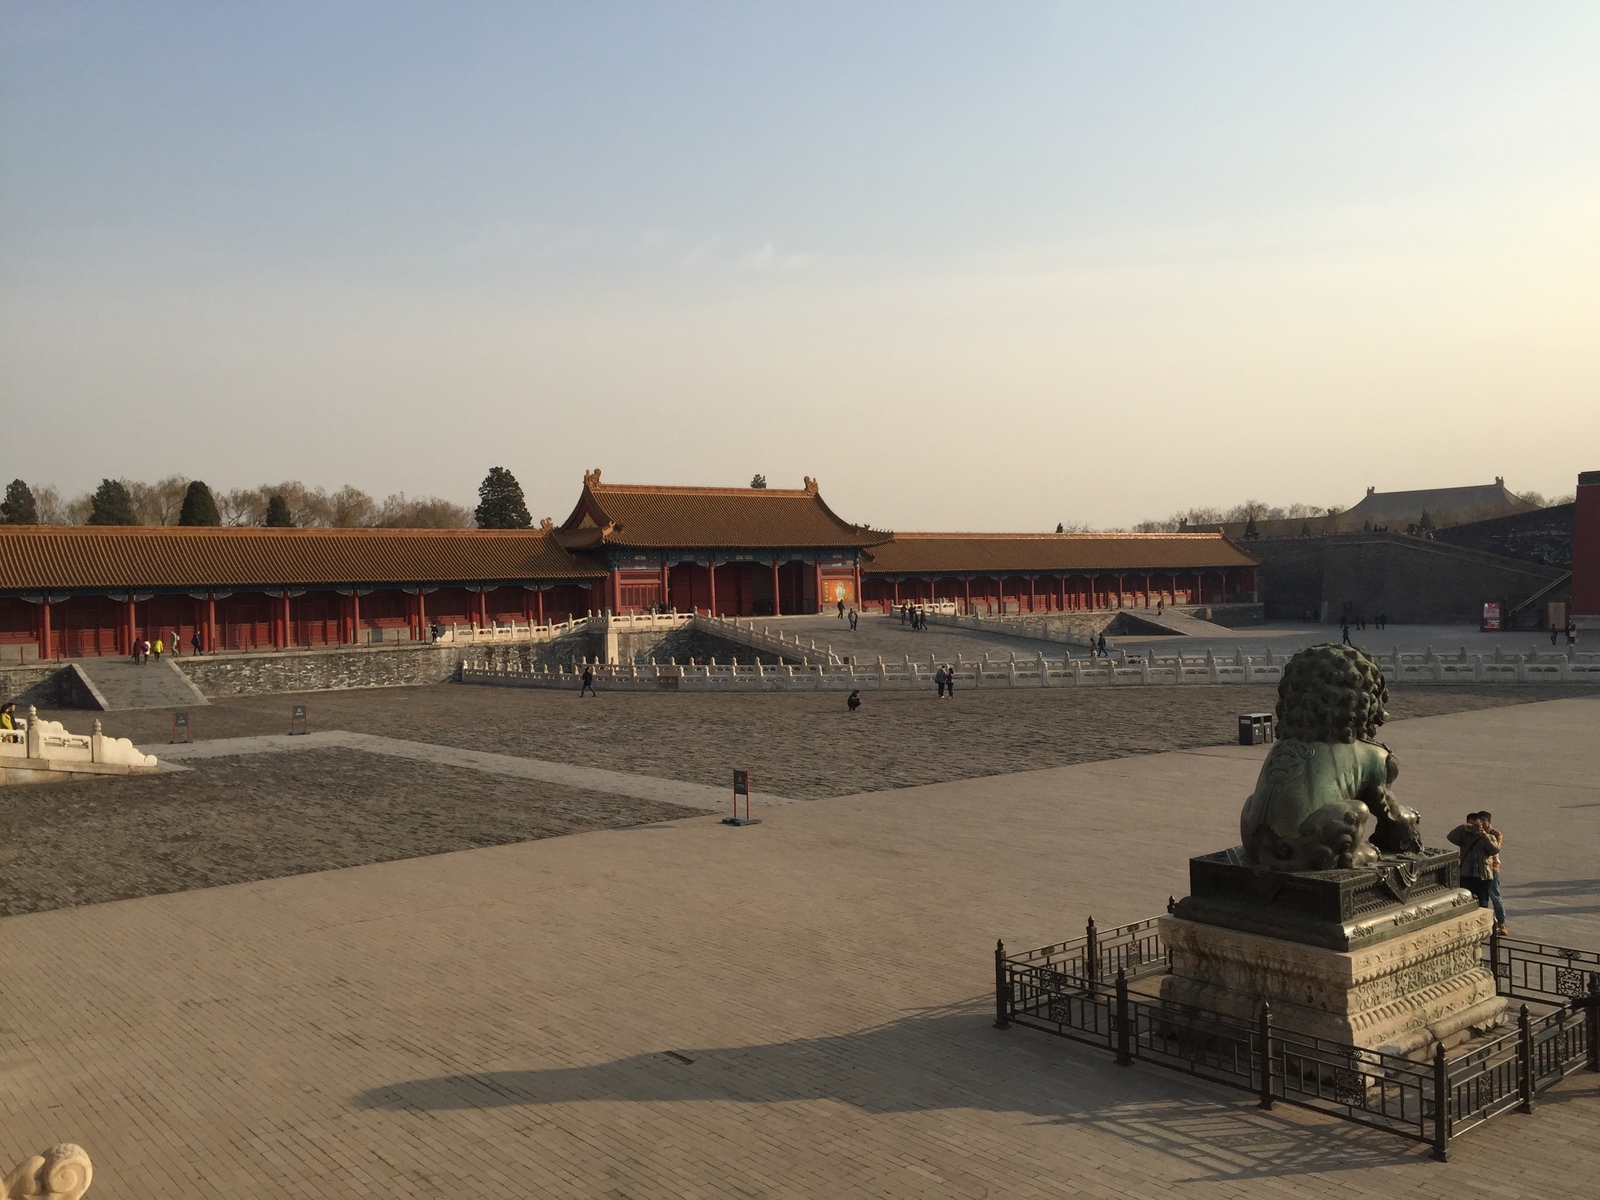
157, 649
7, 715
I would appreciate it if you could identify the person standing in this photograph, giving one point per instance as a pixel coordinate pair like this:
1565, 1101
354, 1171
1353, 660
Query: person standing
854, 617
8, 712
853, 701
938, 679
949, 682
1345, 630
176, 645
1491, 870
588, 683
195, 643
1476, 851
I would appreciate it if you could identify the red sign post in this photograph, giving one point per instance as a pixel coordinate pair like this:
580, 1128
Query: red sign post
1491, 616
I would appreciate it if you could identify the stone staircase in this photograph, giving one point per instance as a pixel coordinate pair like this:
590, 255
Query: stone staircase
118, 683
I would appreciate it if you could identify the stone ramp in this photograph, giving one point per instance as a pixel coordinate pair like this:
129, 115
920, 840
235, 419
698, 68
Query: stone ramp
119, 683
1183, 623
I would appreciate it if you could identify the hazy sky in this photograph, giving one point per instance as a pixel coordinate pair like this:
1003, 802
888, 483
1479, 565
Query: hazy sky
973, 266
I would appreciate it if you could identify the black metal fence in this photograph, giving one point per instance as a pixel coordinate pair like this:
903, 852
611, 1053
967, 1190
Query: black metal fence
1079, 989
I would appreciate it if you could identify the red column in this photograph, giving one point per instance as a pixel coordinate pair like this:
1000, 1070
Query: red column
966, 592
1030, 593
858, 584
44, 630
822, 605
133, 619
711, 573
288, 623
616, 590
483, 608
777, 604
896, 582
539, 602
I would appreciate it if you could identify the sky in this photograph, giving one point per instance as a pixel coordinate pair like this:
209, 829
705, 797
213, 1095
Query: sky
972, 266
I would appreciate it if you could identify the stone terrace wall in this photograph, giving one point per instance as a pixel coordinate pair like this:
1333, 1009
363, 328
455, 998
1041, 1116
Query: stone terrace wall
48, 684
323, 670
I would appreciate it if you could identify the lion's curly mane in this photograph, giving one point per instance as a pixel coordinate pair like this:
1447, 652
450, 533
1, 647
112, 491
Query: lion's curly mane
1331, 693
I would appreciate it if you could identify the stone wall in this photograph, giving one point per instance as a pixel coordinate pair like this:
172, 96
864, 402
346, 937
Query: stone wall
1409, 579
403, 665
48, 685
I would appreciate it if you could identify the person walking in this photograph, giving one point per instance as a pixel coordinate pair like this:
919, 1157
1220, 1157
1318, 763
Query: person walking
588, 683
158, 648
195, 643
1572, 633
841, 608
1554, 632
144, 652
1102, 644
853, 701
854, 617
176, 644
1160, 603
1491, 870
8, 715
1476, 850
1345, 629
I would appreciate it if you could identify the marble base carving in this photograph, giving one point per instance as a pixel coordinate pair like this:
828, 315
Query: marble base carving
1404, 995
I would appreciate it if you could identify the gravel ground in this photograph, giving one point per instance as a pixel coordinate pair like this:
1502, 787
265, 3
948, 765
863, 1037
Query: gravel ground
798, 745
231, 820
234, 819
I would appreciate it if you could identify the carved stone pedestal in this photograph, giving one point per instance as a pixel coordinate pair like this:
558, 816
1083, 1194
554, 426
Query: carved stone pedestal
1402, 995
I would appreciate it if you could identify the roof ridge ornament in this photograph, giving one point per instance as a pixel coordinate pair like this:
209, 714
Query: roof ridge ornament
811, 486
591, 478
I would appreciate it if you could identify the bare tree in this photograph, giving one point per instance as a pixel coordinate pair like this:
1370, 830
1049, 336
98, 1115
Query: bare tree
400, 511
157, 503
350, 507
47, 503
243, 506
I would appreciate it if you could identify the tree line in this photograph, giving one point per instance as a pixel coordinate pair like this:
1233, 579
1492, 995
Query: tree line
178, 500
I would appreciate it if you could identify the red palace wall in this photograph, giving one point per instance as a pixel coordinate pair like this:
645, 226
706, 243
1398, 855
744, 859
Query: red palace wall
1586, 552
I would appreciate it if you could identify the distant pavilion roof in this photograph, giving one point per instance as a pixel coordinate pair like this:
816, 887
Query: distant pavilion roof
66, 557
651, 517
986, 553
1477, 502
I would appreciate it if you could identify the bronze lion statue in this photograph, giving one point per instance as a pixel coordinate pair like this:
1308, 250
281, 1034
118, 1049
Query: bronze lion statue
1327, 773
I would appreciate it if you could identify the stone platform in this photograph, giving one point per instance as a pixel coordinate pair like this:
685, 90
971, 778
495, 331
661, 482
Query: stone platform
1402, 995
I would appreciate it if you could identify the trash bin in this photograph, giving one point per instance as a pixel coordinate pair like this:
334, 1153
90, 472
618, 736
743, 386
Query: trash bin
1255, 728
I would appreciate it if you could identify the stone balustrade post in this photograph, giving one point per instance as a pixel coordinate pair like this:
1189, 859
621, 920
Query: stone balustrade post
35, 736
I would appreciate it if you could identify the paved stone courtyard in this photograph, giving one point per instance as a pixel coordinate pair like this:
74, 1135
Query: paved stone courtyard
795, 1009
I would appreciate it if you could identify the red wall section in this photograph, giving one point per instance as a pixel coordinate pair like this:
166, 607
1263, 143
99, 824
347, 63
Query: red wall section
1586, 552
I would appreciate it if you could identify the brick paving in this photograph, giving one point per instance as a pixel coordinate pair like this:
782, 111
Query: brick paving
794, 1009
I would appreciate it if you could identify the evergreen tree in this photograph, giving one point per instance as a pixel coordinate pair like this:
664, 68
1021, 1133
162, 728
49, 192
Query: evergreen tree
199, 506
500, 502
1250, 528
111, 504
278, 513
19, 508
758, 481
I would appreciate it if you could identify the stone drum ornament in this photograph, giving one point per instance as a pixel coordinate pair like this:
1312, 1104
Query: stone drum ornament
1327, 773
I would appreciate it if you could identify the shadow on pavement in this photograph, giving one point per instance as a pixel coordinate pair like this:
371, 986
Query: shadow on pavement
944, 1059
